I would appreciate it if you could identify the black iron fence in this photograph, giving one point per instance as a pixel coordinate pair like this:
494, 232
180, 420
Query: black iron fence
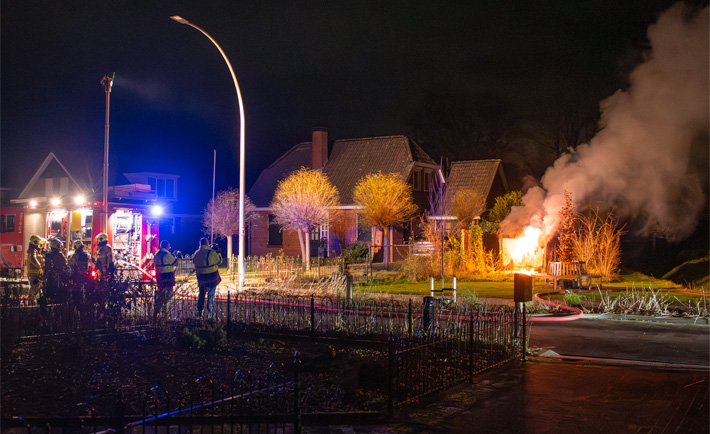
429, 347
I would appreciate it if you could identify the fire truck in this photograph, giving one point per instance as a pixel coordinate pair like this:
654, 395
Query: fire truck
132, 230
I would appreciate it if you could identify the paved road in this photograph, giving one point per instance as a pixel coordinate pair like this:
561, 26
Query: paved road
627, 377
645, 341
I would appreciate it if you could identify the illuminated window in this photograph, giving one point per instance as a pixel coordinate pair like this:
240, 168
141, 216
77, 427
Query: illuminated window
275, 232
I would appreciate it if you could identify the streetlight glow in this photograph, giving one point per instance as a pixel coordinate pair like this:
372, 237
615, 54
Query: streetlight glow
157, 210
241, 147
55, 201
79, 199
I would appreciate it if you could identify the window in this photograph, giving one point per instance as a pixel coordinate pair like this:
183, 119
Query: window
151, 182
427, 180
415, 180
170, 188
160, 191
364, 230
275, 232
8, 223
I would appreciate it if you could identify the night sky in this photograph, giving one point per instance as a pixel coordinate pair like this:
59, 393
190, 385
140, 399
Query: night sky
359, 68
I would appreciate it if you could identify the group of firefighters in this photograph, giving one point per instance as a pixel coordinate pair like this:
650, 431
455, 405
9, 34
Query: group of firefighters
48, 271
47, 264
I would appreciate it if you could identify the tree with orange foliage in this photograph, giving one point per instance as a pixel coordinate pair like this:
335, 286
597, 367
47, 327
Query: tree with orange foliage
386, 199
304, 201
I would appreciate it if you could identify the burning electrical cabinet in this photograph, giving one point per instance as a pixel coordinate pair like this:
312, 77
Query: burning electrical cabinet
523, 252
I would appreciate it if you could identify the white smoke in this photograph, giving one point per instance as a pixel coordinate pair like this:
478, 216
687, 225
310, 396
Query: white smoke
643, 164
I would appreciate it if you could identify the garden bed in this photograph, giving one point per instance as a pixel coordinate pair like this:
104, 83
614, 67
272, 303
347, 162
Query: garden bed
75, 375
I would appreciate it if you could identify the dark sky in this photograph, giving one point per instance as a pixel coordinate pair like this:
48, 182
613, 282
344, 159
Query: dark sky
360, 68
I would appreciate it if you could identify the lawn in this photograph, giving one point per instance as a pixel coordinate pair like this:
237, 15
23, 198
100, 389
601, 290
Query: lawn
504, 288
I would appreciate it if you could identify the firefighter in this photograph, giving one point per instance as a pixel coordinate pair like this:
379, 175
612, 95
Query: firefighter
206, 260
165, 264
35, 259
56, 273
79, 268
104, 257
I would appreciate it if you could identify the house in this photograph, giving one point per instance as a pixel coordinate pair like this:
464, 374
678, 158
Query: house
349, 161
56, 202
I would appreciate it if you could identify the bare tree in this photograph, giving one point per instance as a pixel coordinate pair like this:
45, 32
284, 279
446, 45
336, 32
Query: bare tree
386, 199
222, 216
303, 201
597, 241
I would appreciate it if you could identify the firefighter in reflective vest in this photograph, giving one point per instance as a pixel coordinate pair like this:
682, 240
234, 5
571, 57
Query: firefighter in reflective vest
206, 260
165, 264
35, 259
104, 257
79, 267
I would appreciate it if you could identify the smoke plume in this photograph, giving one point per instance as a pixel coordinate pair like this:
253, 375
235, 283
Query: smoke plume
649, 162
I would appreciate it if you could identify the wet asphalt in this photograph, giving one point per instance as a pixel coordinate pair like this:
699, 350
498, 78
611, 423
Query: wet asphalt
593, 375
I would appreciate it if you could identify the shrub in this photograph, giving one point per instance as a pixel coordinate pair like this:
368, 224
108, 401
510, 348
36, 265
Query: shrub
355, 252
210, 335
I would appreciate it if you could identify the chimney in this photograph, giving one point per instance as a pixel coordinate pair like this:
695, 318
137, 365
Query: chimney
319, 147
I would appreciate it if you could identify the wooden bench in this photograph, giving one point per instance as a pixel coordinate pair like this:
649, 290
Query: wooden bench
558, 271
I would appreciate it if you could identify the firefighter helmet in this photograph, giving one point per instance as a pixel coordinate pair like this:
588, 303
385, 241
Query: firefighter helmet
101, 238
56, 243
36, 240
77, 244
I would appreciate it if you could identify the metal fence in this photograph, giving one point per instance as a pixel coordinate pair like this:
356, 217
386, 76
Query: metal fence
429, 347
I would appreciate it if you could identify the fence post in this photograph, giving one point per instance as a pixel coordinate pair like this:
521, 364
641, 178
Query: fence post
229, 310
431, 290
390, 376
410, 320
525, 337
454, 287
470, 347
296, 396
313, 315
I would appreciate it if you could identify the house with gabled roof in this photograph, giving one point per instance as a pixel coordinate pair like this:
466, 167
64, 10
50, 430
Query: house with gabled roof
56, 202
349, 161
482, 178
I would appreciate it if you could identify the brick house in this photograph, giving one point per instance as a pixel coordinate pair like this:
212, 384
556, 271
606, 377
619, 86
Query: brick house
349, 161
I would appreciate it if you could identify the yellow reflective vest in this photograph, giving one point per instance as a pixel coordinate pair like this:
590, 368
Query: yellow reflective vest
164, 262
206, 260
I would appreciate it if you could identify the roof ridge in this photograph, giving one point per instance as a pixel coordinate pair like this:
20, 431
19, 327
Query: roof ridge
290, 150
373, 138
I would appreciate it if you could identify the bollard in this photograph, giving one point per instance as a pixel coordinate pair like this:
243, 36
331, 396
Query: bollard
349, 286
431, 292
454, 289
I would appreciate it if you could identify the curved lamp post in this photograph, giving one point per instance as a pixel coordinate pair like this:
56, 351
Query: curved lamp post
241, 148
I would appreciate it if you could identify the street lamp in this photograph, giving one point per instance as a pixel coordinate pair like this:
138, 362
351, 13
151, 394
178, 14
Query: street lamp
107, 83
241, 147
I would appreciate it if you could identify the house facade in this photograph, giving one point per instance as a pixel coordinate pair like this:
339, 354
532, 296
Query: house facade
57, 203
348, 162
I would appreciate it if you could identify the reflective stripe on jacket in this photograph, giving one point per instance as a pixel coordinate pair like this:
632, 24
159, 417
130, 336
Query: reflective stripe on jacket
206, 260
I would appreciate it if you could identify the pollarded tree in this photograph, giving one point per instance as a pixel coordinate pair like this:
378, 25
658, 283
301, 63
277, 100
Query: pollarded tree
304, 201
224, 221
386, 199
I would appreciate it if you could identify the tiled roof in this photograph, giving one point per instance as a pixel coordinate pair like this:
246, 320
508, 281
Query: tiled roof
477, 175
352, 159
263, 189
